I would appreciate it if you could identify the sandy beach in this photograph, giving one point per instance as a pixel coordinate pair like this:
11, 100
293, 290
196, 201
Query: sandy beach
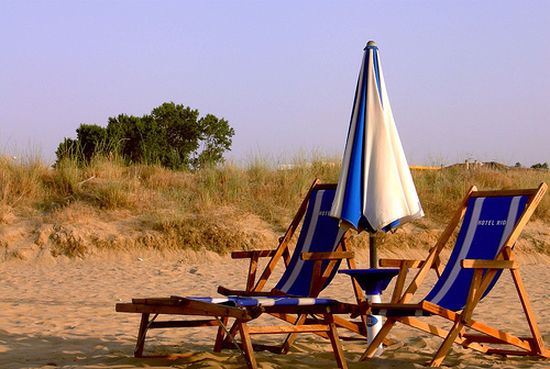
59, 312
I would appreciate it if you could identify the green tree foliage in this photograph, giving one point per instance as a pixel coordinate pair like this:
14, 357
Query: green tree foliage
540, 166
172, 135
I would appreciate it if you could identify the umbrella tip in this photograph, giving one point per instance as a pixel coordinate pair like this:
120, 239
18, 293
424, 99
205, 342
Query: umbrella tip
371, 44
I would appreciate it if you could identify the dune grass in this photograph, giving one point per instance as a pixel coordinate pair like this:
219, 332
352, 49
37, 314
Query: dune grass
182, 206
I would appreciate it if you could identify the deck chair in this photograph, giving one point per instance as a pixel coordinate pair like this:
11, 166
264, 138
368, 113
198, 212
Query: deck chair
319, 250
320, 247
242, 310
491, 223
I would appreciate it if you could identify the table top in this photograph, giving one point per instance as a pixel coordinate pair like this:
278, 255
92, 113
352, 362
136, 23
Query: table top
373, 281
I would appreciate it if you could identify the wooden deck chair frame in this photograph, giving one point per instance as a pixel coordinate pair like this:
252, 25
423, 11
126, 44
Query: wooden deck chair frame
219, 315
485, 272
319, 279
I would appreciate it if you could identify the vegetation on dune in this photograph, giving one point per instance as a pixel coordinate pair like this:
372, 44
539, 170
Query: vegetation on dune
172, 135
109, 204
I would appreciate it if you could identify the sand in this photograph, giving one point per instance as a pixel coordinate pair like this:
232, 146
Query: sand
59, 312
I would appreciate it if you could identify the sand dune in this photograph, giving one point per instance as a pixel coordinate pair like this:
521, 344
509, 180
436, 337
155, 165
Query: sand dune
59, 312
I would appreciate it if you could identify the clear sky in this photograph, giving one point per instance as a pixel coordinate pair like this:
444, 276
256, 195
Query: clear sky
466, 79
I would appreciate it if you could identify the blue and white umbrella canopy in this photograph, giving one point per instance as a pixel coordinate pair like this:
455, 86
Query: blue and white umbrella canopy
375, 189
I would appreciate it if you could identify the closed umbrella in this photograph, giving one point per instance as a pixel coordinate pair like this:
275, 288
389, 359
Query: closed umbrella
375, 189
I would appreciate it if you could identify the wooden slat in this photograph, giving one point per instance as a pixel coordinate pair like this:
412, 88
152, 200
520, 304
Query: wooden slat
326, 186
327, 255
506, 193
315, 282
501, 335
357, 291
252, 253
142, 333
399, 283
289, 341
396, 307
251, 278
528, 310
193, 308
423, 326
247, 346
220, 335
483, 338
378, 339
291, 318
286, 257
443, 350
335, 342
355, 327
155, 301
398, 263
489, 264
183, 324
272, 293
440, 332
474, 294
278, 329
497, 351
438, 310
335, 308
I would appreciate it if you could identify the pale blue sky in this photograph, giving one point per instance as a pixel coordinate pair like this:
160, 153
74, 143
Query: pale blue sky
466, 79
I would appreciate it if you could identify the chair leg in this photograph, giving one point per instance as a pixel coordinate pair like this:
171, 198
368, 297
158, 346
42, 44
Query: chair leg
335, 342
447, 344
292, 336
378, 340
220, 336
247, 346
143, 325
232, 333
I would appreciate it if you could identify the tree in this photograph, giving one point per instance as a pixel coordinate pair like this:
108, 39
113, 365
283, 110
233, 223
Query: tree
92, 139
215, 139
540, 166
181, 132
172, 135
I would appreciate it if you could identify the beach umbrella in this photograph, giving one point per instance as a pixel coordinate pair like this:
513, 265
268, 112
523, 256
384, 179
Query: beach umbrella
375, 189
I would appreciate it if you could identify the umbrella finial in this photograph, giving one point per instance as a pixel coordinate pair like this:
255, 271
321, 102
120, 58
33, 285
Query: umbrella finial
371, 45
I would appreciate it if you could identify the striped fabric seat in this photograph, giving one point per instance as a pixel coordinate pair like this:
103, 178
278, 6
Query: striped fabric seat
240, 301
487, 224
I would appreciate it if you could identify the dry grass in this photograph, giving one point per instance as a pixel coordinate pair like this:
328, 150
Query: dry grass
216, 208
440, 190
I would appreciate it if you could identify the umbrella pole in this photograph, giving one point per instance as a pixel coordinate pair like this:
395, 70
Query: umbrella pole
373, 257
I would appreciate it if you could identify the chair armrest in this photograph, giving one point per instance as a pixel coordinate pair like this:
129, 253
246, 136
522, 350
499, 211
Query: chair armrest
318, 276
398, 263
252, 253
226, 292
489, 264
404, 265
411, 264
335, 255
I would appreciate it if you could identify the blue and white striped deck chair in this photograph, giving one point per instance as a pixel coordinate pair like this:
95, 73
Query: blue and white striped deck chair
311, 265
491, 223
